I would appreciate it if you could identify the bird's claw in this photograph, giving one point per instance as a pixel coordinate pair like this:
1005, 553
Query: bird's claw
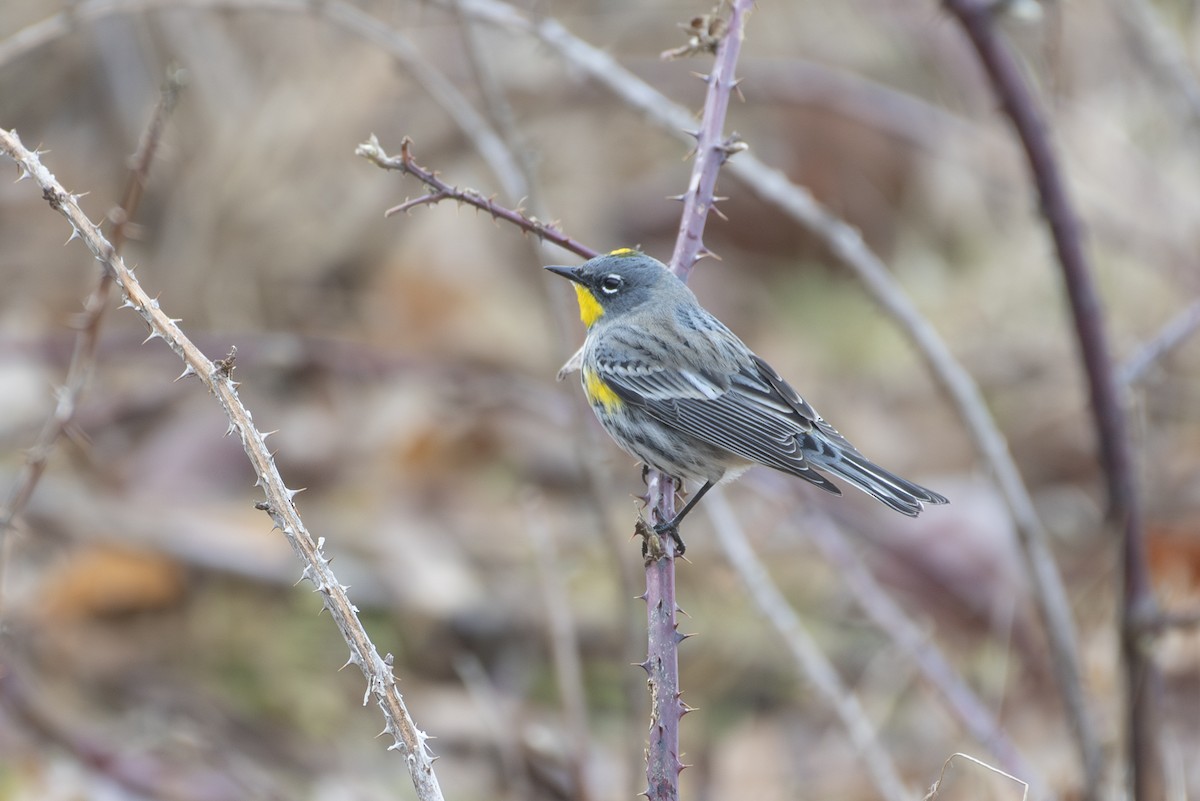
672, 530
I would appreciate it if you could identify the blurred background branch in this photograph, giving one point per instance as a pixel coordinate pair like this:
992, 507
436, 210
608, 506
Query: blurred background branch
1144, 755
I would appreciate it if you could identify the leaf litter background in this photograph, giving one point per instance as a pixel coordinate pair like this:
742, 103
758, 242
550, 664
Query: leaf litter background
408, 365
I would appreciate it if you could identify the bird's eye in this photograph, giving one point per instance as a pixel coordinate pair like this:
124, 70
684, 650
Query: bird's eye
611, 283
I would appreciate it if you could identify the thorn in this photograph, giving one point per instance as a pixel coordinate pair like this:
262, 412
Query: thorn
74, 235
706, 77
733, 145
682, 196
151, 336
187, 371
694, 134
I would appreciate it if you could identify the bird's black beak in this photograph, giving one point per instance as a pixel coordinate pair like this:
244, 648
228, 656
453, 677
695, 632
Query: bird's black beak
570, 273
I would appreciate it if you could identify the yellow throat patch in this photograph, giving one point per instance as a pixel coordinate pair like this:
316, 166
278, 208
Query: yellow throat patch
598, 393
590, 309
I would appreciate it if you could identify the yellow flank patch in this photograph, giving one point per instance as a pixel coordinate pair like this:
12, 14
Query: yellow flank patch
590, 309
623, 252
600, 393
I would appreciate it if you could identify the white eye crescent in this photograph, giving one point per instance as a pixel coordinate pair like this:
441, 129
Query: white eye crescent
611, 283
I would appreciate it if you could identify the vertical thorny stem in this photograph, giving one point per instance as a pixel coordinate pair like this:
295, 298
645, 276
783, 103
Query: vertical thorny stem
663, 764
662, 661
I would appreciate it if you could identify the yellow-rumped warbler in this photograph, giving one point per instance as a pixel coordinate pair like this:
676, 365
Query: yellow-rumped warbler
678, 390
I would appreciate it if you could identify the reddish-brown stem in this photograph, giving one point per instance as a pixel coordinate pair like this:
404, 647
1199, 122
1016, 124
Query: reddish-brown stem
662, 663
1017, 101
440, 190
712, 148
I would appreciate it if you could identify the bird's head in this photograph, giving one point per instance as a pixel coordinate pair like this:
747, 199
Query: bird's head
619, 282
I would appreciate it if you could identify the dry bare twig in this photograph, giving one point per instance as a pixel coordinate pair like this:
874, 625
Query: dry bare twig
1169, 337
440, 190
933, 791
83, 355
279, 504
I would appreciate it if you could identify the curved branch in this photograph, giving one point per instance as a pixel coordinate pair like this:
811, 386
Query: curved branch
1017, 101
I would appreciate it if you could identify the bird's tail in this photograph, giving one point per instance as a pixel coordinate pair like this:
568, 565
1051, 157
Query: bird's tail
899, 493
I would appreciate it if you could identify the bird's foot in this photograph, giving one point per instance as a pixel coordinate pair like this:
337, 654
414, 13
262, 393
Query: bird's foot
671, 529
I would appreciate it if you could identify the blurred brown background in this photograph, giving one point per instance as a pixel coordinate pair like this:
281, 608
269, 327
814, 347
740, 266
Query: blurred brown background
150, 615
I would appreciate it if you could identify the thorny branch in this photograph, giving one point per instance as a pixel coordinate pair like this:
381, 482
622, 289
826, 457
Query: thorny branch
405, 163
663, 764
279, 503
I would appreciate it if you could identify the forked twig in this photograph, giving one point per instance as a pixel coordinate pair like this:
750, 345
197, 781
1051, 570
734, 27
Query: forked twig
440, 190
933, 790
